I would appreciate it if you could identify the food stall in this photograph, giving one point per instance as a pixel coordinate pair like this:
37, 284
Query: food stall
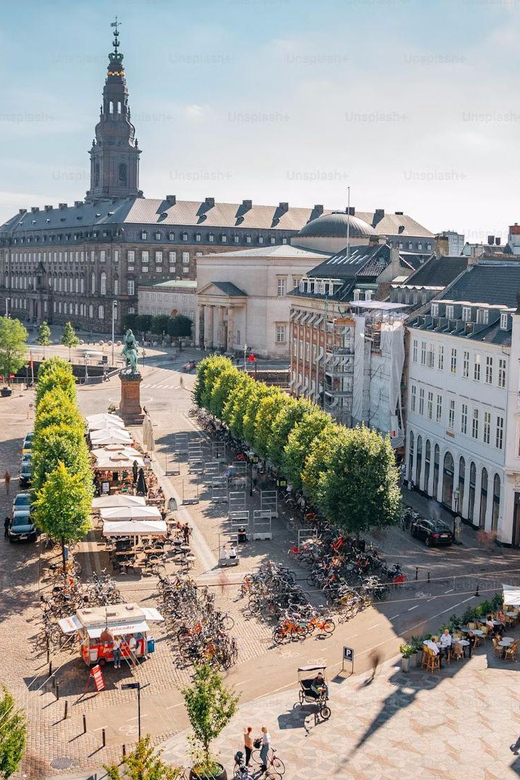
96, 628
113, 466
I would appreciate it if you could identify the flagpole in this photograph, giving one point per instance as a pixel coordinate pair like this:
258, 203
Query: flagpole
348, 222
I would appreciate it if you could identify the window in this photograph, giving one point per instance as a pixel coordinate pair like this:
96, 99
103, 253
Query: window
482, 316
466, 313
435, 309
116, 255
102, 256
451, 414
421, 400
223, 238
450, 312
130, 257
91, 311
453, 367
101, 312
281, 286
116, 286
184, 236
474, 426
236, 239
414, 351
499, 439
198, 237
503, 321
464, 418
281, 334
413, 398
92, 284
157, 236
487, 427
423, 353
438, 415
172, 258
501, 372
185, 258
145, 257
476, 368
211, 238
171, 236
489, 370
260, 239
465, 365
144, 235
158, 257
130, 287
440, 358
103, 283
430, 406
248, 239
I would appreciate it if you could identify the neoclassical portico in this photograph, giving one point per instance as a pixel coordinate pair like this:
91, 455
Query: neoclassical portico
221, 308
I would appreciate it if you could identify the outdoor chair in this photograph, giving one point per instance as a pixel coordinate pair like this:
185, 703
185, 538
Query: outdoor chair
424, 660
496, 649
433, 662
458, 652
511, 652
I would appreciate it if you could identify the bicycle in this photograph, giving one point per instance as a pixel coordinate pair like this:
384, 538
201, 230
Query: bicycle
275, 765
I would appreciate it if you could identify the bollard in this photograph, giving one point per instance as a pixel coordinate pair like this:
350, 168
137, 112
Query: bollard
50, 669
84, 723
57, 690
416, 572
476, 592
103, 734
124, 751
66, 711
428, 576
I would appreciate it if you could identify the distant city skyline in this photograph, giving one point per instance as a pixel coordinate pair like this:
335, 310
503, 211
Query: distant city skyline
411, 105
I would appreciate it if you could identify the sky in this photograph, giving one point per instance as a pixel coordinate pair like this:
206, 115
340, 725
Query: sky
413, 104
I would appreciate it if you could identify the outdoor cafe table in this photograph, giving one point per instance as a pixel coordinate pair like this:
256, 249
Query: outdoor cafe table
506, 641
462, 642
512, 614
476, 631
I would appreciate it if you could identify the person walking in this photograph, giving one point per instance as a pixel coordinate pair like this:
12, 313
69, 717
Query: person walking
7, 480
375, 660
181, 382
248, 743
7, 525
264, 750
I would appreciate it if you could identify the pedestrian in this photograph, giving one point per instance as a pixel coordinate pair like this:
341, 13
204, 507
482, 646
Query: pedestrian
471, 639
7, 525
186, 533
375, 660
264, 750
181, 382
116, 649
248, 743
132, 646
7, 479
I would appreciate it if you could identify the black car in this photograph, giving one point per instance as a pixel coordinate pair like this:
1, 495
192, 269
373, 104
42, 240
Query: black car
25, 474
22, 527
432, 532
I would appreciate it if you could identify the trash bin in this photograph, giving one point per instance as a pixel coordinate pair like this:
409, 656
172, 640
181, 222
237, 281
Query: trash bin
151, 645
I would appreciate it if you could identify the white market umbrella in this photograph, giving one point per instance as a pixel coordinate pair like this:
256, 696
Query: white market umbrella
134, 513
134, 528
118, 500
116, 459
97, 422
110, 436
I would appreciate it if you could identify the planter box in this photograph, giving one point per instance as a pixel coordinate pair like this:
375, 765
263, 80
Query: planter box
405, 664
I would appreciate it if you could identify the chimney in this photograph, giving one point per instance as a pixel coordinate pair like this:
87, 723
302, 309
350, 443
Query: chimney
172, 200
351, 211
373, 241
399, 213
48, 208
442, 246
318, 208
62, 206
283, 207
247, 204
491, 240
395, 263
378, 216
78, 203
210, 202
35, 209
22, 211
498, 240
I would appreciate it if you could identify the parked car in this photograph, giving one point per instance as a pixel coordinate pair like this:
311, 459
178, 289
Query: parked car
432, 532
27, 457
22, 528
25, 474
27, 444
22, 502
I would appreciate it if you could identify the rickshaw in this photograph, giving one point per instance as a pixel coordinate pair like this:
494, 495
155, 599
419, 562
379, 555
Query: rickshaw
314, 690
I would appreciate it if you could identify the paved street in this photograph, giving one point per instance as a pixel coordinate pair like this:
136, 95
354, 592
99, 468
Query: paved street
262, 670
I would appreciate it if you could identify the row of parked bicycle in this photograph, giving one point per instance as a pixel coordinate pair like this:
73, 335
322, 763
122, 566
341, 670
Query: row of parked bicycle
198, 631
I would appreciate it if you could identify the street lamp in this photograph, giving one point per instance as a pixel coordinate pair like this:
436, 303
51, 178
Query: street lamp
138, 687
114, 312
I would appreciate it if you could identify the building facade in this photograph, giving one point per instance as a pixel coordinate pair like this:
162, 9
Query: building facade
170, 298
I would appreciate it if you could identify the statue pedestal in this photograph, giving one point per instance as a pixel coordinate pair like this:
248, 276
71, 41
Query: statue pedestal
130, 404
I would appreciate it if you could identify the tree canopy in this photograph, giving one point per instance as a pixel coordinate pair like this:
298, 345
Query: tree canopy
13, 735
68, 337
44, 335
13, 346
143, 763
299, 442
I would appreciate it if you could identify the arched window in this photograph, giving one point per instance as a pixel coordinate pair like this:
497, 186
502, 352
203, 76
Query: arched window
102, 283
447, 479
122, 172
472, 483
436, 467
410, 455
93, 283
116, 286
483, 498
418, 465
91, 311
427, 458
111, 107
82, 285
101, 312
496, 503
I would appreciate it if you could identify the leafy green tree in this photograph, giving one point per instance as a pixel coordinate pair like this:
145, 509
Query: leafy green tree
288, 416
143, 323
268, 411
258, 392
160, 324
237, 405
233, 400
180, 327
222, 387
56, 378
44, 336
68, 337
53, 363
356, 480
130, 322
13, 346
210, 706
62, 506
208, 370
299, 442
55, 444
317, 461
56, 408
13, 735
143, 763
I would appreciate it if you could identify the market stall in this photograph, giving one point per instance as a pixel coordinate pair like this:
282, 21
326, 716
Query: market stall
114, 466
98, 627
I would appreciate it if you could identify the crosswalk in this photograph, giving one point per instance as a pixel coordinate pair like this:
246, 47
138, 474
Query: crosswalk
160, 386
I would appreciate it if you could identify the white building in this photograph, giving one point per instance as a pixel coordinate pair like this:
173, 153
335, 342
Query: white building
462, 386
177, 296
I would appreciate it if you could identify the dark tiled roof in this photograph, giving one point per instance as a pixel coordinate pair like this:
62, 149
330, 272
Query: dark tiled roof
438, 272
341, 266
493, 282
228, 288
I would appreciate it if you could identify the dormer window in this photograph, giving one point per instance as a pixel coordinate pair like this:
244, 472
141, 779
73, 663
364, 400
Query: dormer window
450, 312
236, 239
466, 313
482, 316
211, 238
184, 236
144, 235
171, 236
223, 238
248, 239
157, 236
503, 321
435, 309
198, 237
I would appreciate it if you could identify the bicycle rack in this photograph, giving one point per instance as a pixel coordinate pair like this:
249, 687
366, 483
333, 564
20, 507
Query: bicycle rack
262, 525
219, 489
218, 450
190, 492
180, 442
305, 535
269, 502
237, 501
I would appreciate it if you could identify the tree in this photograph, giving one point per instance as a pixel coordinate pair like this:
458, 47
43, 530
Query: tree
13, 735
143, 323
44, 336
130, 321
57, 377
68, 337
222, 387
299, 442
143, 763
159, 325
356, 480
237, 405
208, 371
258, 392
59, 443
62, 507
56, 408
210, 707
268, 410
13, 347
291, 412
180, 326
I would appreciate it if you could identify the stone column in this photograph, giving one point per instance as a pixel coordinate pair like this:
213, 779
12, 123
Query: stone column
230, 329
220, 327
208, 326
